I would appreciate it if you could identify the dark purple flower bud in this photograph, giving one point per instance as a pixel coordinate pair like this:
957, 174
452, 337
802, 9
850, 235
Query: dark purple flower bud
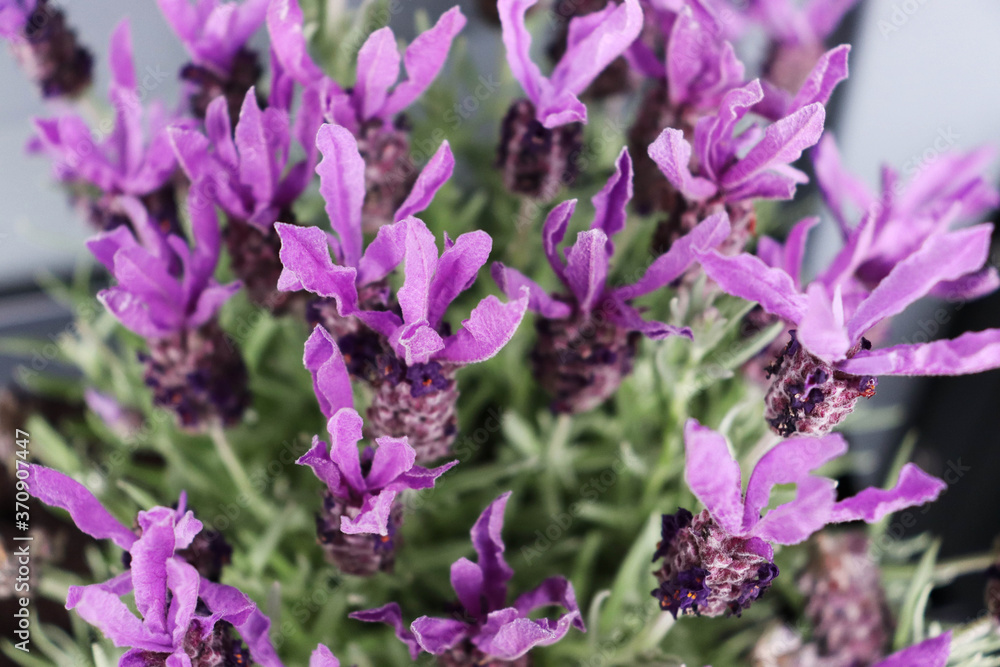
204, 84
48, 51
254, 259
536, 161
389, 171
418, 403
359, 554
671, 525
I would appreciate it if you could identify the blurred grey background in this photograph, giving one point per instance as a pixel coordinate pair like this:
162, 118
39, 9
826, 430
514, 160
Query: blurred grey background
920, 71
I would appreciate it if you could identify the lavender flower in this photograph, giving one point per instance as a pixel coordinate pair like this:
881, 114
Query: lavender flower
829, 364
124, 163
46, 47
215, 35
541, 136
727, 176
360, 517
342, 185
413, 359
797, 36
896, 222
486, 632
183, 615
367, 109
588, 337
167, 295
248, 175
722, 560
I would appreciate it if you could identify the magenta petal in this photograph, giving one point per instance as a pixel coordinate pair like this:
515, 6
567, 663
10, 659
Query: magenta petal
253, 137
669, 266
782, 144
630, 319
789, 462
467, 581
104, 610
393, 457
553, 231
506, 636
318, 458
490, 326
373, 517
838, 186
749, 278
228, 604
331, 382
56, 489
378, 69
323, 657
120, 48
823, 16
517, 42
384, 253
421, 258
795, 521
587, 268
423, 59
150, 554
419, 477
968, 287
942, 257
672, 154
487, 540
416, 343
434, 174
456, 271
345, 433
183, 581
284, 23
391, 615
587, 57
437, 635
342, 185
511, 282
829, 71
972, 352
305, 257
104, 246
610, 212
554, 591
931, 652
821, 330
914, 487
795, 247
713, 475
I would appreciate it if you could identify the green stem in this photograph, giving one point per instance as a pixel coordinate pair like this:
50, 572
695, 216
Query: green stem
945, 571
238, 474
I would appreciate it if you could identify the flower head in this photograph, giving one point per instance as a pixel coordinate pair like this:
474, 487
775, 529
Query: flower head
213, 31
491, 628
594, 41
722, 559
376, 96
181, 613
586, 329
124, 162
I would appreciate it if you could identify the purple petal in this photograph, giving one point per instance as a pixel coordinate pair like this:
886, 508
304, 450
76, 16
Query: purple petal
467, 581
416, 343
713, 475
56, 489
284, 23
106, 244
391, 615
942, 257
331, 382
384, 253
589, 56
507, 637
829, 71
121, 61
915, 487
372, 518
228, 604
968, 287
553, 231
219, 129
669, 266
768, 185
931, 652
795, 247
419, 477
393, 457
252, 141
838, 186
749, 278
554, 591
629, 318
610, 212
821, 330
490, 326
511, 282
345, 433
183, 582
823, 16
434, 174
305, 258
782, 144
134, 314
672, 154
342, 185
487, 540
437, 635
423, 59
795, 521
323, 657
150, 554
587, 267
456, 271
318, 458
517, 42
107, 612
378, 69
421, 264
711, 133
789, 462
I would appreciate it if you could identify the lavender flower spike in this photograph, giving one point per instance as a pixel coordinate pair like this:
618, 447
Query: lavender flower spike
125, 163
359, 520
369, 107
304, 253
588, 335
726, 175
215, 35
722, 560
542, 135
488, 632
829, 364
248, 174
167, 295
45, 47
183, 615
